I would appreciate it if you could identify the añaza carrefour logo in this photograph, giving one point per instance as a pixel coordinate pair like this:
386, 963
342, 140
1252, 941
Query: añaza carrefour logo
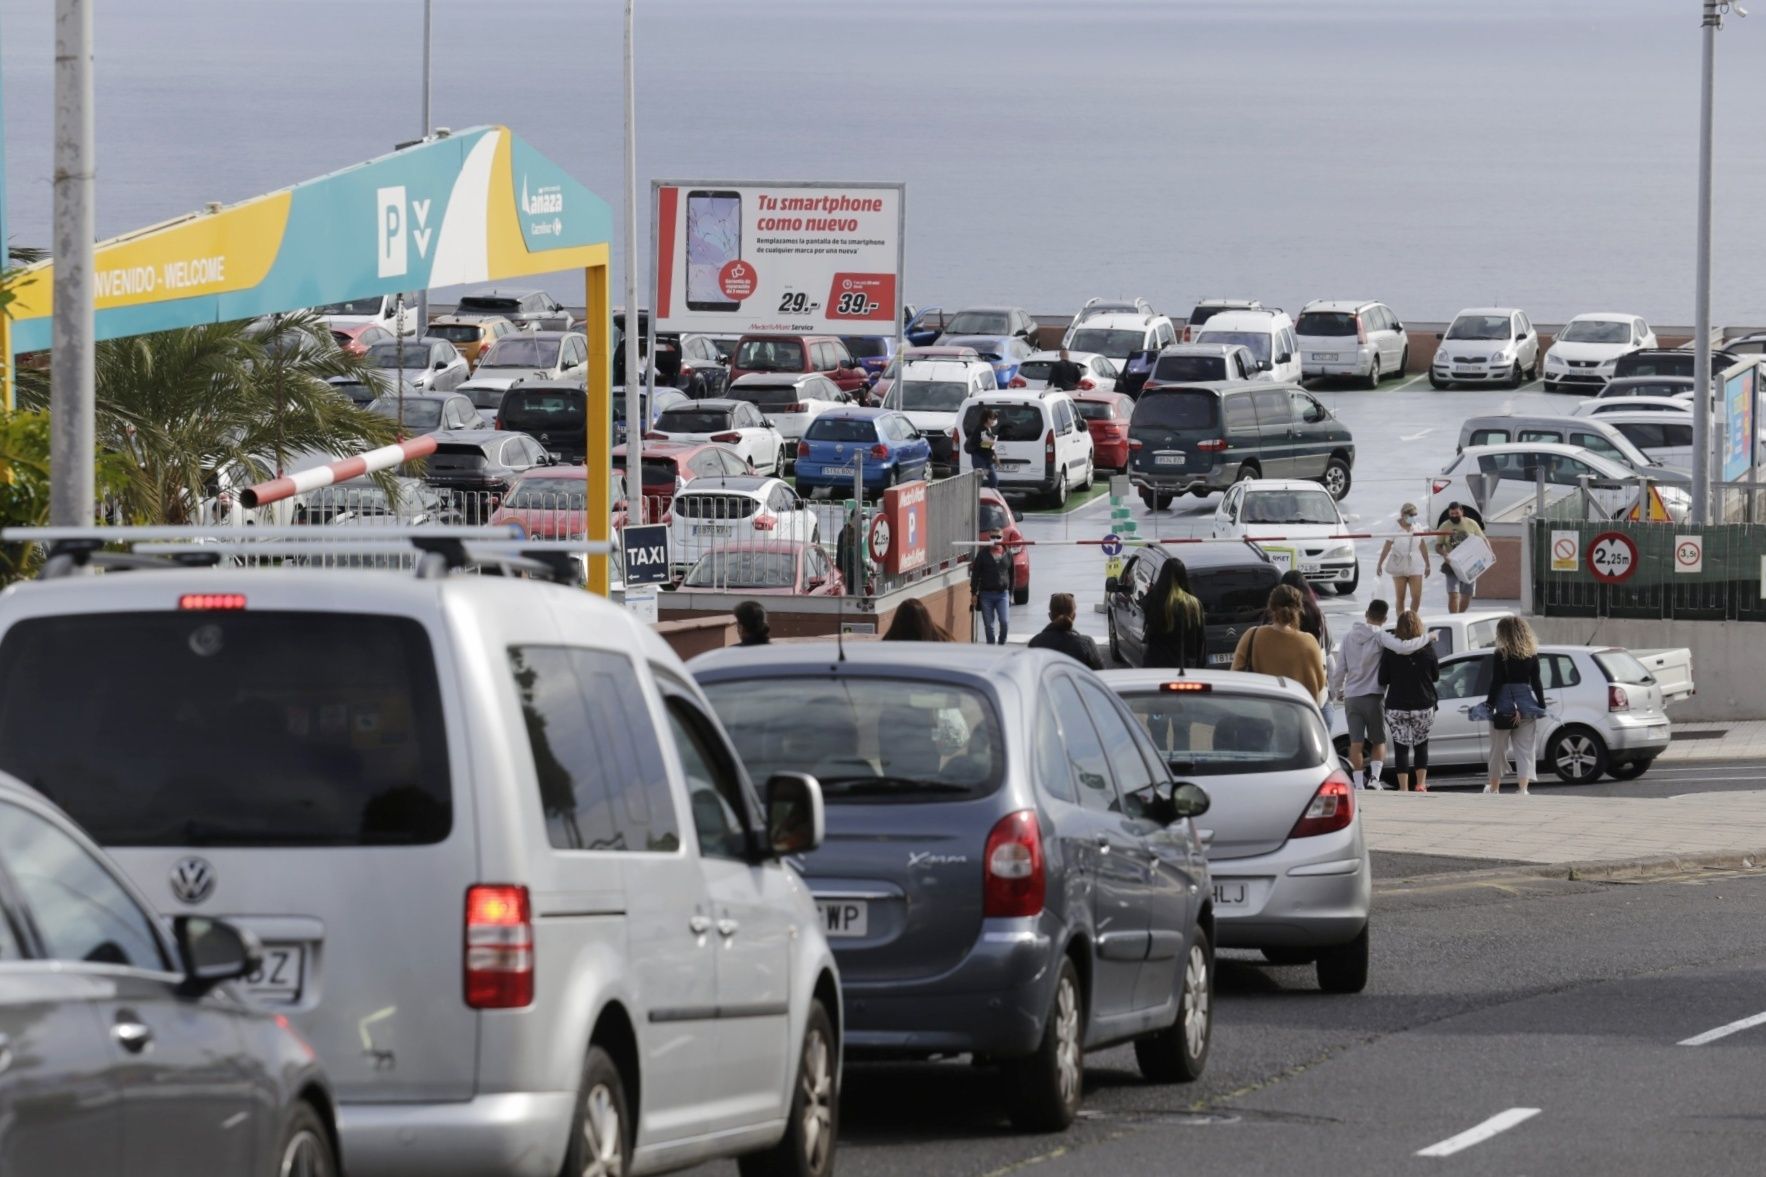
548, 198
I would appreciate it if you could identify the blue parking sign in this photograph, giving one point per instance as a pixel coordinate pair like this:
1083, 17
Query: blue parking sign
646, 554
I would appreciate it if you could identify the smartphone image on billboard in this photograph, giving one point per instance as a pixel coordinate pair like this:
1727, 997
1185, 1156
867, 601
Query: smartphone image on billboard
714, 239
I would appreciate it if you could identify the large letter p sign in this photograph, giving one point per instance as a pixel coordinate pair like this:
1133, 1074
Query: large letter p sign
392, 231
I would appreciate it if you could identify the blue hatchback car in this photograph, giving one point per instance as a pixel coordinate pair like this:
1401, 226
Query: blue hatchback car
893, 450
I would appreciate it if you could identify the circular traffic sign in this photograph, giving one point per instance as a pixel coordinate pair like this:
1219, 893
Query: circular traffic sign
1612, 557
1689, 553
1112, 544
880, 538
1564, 549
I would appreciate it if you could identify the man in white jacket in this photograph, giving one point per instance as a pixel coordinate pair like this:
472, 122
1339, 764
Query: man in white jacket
1354, 682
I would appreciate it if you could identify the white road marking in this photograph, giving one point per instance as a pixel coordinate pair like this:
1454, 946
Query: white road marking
1415, 436
1408, 383
1501, 1122
1724, 1031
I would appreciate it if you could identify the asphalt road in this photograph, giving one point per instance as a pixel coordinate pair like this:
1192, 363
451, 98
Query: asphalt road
1566, 997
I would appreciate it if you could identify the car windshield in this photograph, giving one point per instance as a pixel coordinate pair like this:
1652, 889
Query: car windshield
354, 306
1326, 323
1215, 734
1257, 342
1623, 666
869, 741
1176, 410
841, 429
1095, 410
420, 413
395, 355
694, 421
344, 741
1290, 506
456, 332
770, 355
976, 323
744, 569
548, 494
1115, 344
537, 409
362, 394
993, 516
1666, 388
1189, 369
1596, 331
933, 396
517, 351
1480, 327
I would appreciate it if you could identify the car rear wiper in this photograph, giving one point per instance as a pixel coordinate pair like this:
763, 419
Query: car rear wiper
854, 785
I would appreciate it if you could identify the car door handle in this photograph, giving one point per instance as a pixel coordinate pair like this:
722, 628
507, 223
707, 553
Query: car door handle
700, 924
727, 928
132, 1036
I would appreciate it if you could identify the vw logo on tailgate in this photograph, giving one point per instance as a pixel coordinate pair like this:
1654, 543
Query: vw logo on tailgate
193, 879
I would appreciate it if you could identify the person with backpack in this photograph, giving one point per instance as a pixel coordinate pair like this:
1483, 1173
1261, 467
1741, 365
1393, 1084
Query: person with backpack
1411, 699
980, 447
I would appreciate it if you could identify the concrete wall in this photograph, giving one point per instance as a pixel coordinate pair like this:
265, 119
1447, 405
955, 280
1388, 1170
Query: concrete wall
946, 597
1727, 657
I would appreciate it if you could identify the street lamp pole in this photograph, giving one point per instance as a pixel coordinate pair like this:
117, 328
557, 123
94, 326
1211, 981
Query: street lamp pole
634, 425
1701, 318
423, 133
72, 417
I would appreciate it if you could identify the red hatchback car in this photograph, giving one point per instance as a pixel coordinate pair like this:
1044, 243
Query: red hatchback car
670, 465
825, 355
1106, 414
552, 503
997, 519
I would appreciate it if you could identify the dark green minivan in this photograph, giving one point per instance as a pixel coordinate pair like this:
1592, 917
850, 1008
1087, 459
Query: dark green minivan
1202, 438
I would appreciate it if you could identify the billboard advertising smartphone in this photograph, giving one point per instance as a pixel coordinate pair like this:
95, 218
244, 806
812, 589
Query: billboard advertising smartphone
801, 259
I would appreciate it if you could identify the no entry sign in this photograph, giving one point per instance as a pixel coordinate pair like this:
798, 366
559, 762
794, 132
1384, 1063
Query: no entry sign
1612, 557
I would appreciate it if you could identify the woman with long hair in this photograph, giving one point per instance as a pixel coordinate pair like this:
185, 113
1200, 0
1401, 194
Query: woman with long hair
1411, 699
1281, 647
1312, 619
1176, 627
913, 623
1514, 703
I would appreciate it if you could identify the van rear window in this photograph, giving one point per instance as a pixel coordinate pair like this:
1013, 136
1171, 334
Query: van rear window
1016, 422
1326, 323
1178, 409
230, 728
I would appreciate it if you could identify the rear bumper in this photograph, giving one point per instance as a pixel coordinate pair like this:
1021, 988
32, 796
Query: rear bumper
1301, 896
1348, 362
1179, 481
521, 1134
1638, 741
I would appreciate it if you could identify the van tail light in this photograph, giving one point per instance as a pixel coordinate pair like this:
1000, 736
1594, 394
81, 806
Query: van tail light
1087, 384
1332, 808
880, 452
1018, 382
497, 423
499, 947
1213, 445
1617, 698
1437, 485
799, 407
1135, 443
764, 522
730, 438
803, 449
1360, 330
1048, 446
1187, 334
1015, 880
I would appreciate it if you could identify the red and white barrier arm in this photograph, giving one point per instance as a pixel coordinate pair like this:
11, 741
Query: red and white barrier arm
384, 458
1142, 541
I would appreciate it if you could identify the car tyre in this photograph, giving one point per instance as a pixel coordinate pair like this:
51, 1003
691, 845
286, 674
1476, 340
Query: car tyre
1551, 386
1436, 382
1058, 496
1404, 362
1577, 754
1343, 969
1515, 375
1090, 473
600, 1134
1021, 595
1247, 472
1179, 1053
1044, 1090
1373, 373
812, 1130
1336, 479
307, 1148
1289, 956
1630, 770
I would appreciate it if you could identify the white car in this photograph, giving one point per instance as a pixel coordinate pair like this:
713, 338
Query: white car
1587, 347
1605, 714
1097, 372
1600, 406
1268, 333
397, 313
1515, 468
1110, 306
737, 424
1666, 438
712, 513
1304, 528
534, 355
930, 397
1486, 345
1042, 445
1116, 335
1357, 339
1207, 308
1197, 363
790, 400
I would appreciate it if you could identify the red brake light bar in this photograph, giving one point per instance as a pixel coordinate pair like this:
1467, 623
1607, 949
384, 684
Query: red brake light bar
1186, 686
211, 601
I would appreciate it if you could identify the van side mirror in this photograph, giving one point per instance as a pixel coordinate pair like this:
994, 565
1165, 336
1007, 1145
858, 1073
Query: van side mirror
796, 822
212, 951
1264, 365
1286, 357
1112, 586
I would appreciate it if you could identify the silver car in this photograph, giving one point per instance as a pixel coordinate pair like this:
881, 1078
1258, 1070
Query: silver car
1290, 866
1486, 345
125, 1049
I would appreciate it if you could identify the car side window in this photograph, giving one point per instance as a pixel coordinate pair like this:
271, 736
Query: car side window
1489, 437
733, 463
1466, 679
1595, 443
602, 780
1305, 409
714, 787
1133, 774
1271, 407
1087, 761
79, 908
815, 563
1051, 756
1558, 670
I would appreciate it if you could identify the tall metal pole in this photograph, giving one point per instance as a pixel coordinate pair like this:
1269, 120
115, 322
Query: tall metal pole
423, 133
634, 426
1701, 315
73, 419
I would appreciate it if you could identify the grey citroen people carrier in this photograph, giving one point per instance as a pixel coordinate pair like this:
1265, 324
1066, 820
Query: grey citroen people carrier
1200, 438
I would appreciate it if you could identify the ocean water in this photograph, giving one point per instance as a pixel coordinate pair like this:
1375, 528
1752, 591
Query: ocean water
1430, 153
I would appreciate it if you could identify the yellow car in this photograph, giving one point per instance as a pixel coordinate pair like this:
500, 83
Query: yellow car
472, 335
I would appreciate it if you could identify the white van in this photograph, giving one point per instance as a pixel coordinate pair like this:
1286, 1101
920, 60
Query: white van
395, 312
512, 881
1267, 333
1042, 445
931, 394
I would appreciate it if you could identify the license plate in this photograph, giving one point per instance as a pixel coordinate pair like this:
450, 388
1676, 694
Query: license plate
1324, 355
1220, 659
1168, 459
713, 529
844, 917
1309, 565
1229, 894
1468, 371
280, 976
837, 471
1013, 464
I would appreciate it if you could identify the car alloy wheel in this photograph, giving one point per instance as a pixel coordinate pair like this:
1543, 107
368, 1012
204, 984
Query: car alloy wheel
1197, 1002
306, 1155
817, 1092
1578, 756
1067, 1049
603, 1134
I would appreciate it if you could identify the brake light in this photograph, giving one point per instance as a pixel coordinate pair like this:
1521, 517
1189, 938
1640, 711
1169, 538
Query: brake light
499, 947
727, 437
1617, 698
1186, 686
803, 449
764, 522
1048, 447
1437, 485
880, 451
1360, 330
1332, 808
211, 601
1135, 443
1087, 384
652, 435
496, 423
1018, 382
1213, 445
1014, 881
799, 407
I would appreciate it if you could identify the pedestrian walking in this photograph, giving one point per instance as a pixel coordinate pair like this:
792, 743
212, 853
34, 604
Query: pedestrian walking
1176, 628
849, 554
1460, 527
913, 623
1411, 700
751, 624
1059, 634
1312, 618
1406, 560
980, 447
1355, 683
990, 588
1281, 647
1514, 703
1064, 374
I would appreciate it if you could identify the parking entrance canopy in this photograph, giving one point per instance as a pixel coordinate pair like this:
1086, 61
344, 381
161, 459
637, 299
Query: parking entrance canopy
477, 206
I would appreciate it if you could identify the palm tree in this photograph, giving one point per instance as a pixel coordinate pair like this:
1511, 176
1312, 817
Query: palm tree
186, 407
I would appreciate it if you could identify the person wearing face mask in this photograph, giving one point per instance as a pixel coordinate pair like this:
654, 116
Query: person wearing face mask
1406, 560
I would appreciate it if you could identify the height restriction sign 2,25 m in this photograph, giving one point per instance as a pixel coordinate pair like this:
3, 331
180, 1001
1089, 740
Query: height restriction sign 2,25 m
1612, 557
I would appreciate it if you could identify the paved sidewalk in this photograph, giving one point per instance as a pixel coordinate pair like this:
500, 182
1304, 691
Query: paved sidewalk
1559, 829
1736, 740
